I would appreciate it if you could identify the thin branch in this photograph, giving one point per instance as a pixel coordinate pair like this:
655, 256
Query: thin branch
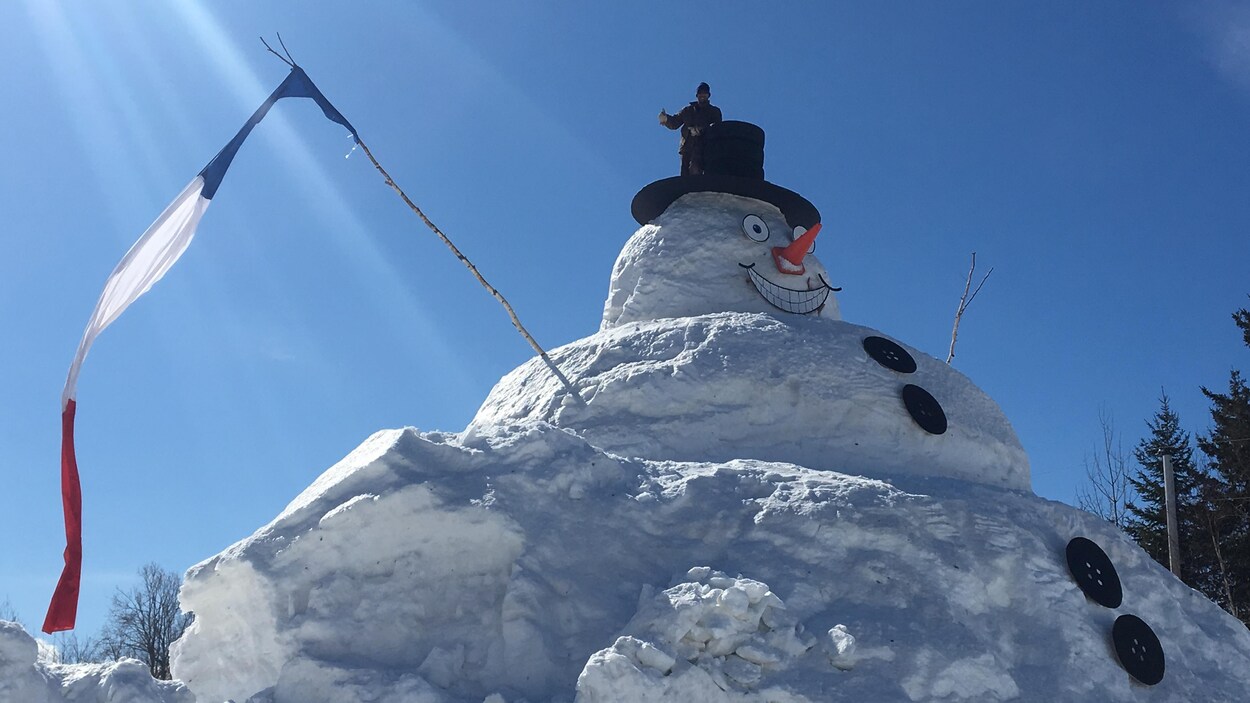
1107, 490
978, 290
280, 56
964, 301
288, 51
516, 322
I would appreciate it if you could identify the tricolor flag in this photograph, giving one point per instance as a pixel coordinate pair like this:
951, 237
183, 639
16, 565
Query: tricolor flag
145, 264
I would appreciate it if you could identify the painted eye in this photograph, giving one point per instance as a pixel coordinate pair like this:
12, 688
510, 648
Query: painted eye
799, 232
755, 228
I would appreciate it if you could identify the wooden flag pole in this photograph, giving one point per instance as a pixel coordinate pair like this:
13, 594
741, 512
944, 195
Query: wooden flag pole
516, 322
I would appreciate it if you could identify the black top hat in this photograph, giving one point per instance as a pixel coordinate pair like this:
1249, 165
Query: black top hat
733, 162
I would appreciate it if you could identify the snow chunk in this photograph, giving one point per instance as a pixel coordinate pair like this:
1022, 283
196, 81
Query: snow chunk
713, 623
841, 648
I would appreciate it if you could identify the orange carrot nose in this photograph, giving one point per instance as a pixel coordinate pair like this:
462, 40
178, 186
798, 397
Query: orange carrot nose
797, 249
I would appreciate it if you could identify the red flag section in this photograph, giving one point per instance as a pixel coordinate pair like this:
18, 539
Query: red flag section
64, 607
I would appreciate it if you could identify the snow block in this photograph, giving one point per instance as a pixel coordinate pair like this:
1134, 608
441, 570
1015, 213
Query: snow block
720, 631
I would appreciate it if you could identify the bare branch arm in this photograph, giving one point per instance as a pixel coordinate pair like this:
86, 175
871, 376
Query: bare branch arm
964, 301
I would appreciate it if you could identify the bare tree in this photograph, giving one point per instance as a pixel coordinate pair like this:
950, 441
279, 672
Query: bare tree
1211, 521
71, 650
1106, 491
145, 621
8, 612
1216, 517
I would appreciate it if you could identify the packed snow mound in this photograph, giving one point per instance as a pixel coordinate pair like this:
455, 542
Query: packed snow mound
790, 388
697, 258
26, 677
523, 563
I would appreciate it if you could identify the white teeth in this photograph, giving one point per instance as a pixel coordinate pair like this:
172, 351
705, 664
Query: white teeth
799, 302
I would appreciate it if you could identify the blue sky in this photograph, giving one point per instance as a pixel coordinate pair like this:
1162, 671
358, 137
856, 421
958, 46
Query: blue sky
1095, 154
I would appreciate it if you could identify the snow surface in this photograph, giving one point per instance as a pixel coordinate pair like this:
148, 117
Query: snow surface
739, 510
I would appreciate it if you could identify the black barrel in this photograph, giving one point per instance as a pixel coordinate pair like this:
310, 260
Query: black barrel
734, 148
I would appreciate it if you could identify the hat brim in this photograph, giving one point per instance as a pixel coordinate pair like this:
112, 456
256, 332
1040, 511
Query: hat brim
654, 199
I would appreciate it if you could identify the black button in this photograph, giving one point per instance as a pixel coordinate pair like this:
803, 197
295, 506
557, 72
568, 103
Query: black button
924, 409
889, 354
1138, 648
1093, 571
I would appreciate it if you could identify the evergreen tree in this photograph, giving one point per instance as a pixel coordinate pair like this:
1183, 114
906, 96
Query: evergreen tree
1242, 318
1227, 447
1147, 516
1228, 444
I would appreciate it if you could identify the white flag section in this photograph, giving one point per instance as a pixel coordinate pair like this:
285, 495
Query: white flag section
145, 264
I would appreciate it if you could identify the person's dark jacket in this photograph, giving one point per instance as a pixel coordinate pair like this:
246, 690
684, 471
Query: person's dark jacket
692, 119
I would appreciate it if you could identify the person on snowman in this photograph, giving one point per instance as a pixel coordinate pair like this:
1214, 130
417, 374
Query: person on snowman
692, 120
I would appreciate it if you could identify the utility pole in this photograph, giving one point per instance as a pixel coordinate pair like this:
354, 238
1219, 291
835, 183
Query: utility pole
1169, 495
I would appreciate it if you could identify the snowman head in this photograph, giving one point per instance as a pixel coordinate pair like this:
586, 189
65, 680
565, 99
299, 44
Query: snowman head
712, 252
789, 257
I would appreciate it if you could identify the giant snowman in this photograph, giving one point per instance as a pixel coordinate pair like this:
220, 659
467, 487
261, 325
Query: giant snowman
745, 499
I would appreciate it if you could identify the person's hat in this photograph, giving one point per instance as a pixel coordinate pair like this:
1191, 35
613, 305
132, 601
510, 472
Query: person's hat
703, 88
733, 162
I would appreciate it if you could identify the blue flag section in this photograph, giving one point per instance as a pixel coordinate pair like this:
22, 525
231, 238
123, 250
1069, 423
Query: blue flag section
296, 85
144, 264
